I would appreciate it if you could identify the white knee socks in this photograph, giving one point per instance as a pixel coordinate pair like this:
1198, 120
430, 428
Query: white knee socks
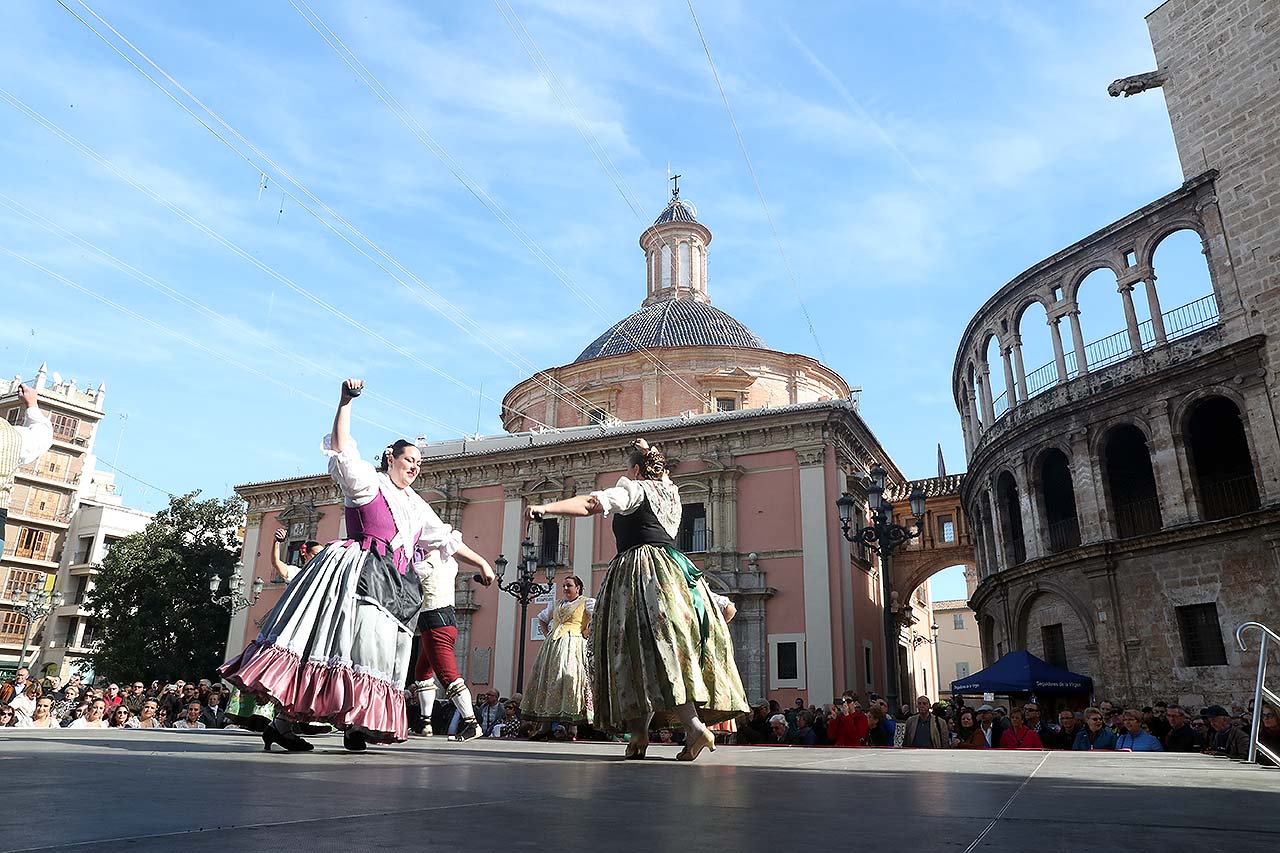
426, 691
460, 696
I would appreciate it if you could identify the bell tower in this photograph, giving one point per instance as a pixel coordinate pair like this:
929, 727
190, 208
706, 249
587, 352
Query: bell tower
675, 248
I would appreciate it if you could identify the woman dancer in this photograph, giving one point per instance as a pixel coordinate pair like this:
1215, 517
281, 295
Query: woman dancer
661, 649
336, 646
560, 688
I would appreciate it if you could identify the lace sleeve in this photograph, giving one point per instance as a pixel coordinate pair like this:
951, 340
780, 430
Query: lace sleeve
357, 477
622, 498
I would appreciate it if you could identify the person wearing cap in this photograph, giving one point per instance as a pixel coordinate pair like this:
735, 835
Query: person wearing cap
1133, 738
985, 736
1226, 739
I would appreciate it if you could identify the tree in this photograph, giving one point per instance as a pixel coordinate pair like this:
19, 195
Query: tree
152, 612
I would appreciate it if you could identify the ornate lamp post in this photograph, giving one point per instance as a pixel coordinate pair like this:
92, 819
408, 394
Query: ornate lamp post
235, 600
34, 603
883, 537
524, 588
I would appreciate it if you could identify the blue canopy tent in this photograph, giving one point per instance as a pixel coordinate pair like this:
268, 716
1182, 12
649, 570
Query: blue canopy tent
1022, 672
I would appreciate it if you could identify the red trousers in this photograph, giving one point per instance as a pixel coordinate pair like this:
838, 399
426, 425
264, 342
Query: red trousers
435, 655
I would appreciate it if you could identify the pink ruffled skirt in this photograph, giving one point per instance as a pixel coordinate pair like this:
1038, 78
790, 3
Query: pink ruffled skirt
327, 654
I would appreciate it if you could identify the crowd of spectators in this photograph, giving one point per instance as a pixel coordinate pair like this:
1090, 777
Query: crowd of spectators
1160, 727
847, 722
47, 703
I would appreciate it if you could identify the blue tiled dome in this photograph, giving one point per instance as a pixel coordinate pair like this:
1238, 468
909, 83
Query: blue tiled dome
672, 323
678, 210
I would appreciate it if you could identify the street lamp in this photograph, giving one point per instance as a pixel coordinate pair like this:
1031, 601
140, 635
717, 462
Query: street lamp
524, 588
883, 537
34, 603
235, 600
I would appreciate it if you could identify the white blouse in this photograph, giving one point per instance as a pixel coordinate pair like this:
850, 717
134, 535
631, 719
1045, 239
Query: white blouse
36, 436
626, 497
361, 482
549, 611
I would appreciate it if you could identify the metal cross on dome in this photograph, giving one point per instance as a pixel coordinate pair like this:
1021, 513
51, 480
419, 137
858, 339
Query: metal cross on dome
675, 189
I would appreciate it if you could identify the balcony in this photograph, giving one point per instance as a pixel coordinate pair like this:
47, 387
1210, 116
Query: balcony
1226, 497
694, 540
1137, 517
1182, 321
1064, 535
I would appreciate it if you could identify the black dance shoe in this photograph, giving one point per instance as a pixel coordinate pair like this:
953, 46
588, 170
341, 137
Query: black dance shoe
468, 729
354, 741
288, 740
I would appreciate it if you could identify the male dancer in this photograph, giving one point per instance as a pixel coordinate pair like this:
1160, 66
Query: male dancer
438, 631
20, 445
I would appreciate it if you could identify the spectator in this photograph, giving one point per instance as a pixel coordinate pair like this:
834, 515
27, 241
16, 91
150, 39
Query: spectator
191, 719
877, 733
1064, 736
793, 714
1226, 739
94, 716
8, 718
1269, 732
120, 718
162, 717
214, 716
77, 712
756, 727
65, 704
847, 725
1112, 720
174, 698
52, 684
24, 704
43, 717
925, 729
1095, 734
15, 687
966, 725
135, 697
112, 697
1159, 724
985, 736
1134, 738
1018, 736
1031, 713
777, 729
888, 723
147, 715
1181, 737
489, 713
804, 734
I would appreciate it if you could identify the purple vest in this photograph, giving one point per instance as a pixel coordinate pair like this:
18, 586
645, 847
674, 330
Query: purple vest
373, 526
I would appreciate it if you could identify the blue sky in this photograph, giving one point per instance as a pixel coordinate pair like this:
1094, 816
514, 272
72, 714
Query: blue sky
914, 156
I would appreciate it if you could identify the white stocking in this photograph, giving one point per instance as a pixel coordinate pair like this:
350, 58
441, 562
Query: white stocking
460, 695
426, 691
688, 714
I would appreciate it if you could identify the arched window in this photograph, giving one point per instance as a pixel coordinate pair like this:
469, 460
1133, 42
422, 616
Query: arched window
991, 565
1061, 520
1131, 482
1037, 349
1102, 319
664, 267
1009, 506
1221, 465
1183, 285
1000, 396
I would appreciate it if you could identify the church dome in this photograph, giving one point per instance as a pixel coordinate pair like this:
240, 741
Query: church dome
678, 210
672, 323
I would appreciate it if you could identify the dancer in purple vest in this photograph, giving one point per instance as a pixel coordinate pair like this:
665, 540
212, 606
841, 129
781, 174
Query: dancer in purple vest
336, 647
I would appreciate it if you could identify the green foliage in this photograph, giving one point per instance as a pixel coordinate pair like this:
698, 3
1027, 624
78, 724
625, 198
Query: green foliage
152, 612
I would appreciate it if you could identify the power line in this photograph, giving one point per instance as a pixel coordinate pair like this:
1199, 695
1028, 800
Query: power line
406, 118
137, 479
452, 315
791, 276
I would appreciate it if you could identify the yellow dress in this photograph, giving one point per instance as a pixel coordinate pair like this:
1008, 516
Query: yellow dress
559, 687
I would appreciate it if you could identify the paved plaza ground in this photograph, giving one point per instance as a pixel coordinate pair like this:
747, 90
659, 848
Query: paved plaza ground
189, 791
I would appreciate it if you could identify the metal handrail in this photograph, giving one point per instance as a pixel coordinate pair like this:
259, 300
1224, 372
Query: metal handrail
1260, 691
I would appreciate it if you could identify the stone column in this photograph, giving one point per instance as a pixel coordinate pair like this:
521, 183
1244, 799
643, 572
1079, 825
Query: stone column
584, 545
1164, 462
997, 531
1019, 369
504, 659
1086, 483
971, 411
819, 680
1029, 503
1077, 340
1131, 318
1059, 357
1010, 390
984, 389
1157, 317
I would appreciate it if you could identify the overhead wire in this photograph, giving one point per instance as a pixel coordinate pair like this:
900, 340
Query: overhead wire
161, 327
454, 314
371, 81
181, 298
40, 119
786, 262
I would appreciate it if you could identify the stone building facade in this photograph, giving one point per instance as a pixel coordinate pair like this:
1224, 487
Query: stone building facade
1125, 497
762, 444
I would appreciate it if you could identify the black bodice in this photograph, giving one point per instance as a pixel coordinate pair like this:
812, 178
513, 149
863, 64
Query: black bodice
640, 528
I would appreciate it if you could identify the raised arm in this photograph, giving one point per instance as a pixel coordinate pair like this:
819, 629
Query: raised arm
580, 506
37, 432
340, 436
282, 568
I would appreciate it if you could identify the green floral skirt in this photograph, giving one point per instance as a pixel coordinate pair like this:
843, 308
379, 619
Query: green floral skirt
657, 641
